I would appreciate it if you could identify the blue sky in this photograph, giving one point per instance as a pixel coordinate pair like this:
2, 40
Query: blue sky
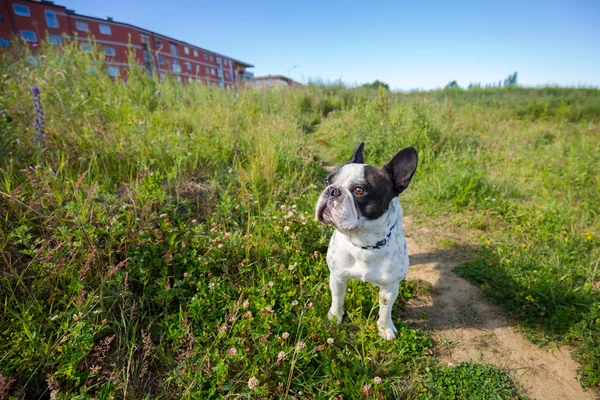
408, 44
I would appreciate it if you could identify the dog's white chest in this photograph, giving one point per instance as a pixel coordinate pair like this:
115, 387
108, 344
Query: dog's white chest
380, 267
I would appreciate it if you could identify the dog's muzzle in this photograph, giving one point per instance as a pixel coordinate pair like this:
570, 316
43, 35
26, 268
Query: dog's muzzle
336, 207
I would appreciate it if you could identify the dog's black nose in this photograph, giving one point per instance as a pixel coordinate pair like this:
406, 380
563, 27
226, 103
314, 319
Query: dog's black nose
333, 191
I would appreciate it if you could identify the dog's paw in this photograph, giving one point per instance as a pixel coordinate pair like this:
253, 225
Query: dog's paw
388, 334
387, 331
335, 316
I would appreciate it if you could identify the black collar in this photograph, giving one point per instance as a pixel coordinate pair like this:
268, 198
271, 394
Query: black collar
381, 243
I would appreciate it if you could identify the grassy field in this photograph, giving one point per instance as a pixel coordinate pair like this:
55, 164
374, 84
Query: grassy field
157, 241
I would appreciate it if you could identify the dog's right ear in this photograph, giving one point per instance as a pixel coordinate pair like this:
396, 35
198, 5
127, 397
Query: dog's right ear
357, 156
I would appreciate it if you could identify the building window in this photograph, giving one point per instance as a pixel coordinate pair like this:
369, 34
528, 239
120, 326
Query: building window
158, 43
4, 42
212, 58
186, 50
176, 67
105, 29
161, 60
174, 49
198, 69
54, 39
207, 70
227, 75
205, 56
81, 26
86, 47
188, 65
213, 71
51, 19
110, 51
195, 51
1, 17
21, 10
113, 72
28, 36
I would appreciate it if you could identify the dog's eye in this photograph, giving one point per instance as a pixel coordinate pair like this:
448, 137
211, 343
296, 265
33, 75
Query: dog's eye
326, 182
358, 191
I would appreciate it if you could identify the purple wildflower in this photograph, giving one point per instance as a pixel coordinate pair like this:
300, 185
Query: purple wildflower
39, 120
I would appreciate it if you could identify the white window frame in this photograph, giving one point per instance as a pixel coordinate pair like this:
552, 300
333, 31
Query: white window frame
80, 24
4, 42
113, 71
186, 50
207, 70
205, 57
55, 39
21, 13
188, 65
110, 51
86, 47
175, 69
105, 29
53, 15
158, 43
195, 53
174, 49
211, 58
28, 31
212, 70
161, 59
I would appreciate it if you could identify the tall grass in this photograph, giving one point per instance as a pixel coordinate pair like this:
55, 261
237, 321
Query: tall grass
159, 241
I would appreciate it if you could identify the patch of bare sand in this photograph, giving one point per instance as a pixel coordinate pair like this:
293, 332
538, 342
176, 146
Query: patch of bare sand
466, 327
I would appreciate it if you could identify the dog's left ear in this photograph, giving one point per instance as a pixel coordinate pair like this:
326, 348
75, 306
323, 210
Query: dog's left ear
357, 156
402, 167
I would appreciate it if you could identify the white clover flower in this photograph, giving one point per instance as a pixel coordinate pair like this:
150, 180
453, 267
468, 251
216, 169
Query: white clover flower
252, 383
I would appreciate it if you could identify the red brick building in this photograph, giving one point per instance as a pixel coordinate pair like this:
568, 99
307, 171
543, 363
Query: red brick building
275, 80
34, 21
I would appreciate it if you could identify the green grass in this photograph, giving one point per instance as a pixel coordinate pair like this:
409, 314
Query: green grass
526, 183
155, 244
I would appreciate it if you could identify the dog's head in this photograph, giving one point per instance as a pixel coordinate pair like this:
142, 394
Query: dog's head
357, 192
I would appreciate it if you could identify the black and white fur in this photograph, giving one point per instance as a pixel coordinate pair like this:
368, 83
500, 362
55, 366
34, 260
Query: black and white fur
361, 202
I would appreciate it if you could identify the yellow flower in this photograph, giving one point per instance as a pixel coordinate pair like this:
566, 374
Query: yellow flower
555, 237
529, 298
523, 245
508, 261
535, 271
564, 232
566, 239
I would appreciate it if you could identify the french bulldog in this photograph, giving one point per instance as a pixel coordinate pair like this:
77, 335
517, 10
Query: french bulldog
361, 202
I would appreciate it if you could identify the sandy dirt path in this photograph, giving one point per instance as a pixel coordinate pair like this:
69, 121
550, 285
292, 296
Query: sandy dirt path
466, 327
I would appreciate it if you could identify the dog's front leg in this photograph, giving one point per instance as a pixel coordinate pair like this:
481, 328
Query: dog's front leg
387, 296
338, 289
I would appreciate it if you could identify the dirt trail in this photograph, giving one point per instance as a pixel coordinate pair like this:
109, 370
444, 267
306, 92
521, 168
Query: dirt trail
467, 328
